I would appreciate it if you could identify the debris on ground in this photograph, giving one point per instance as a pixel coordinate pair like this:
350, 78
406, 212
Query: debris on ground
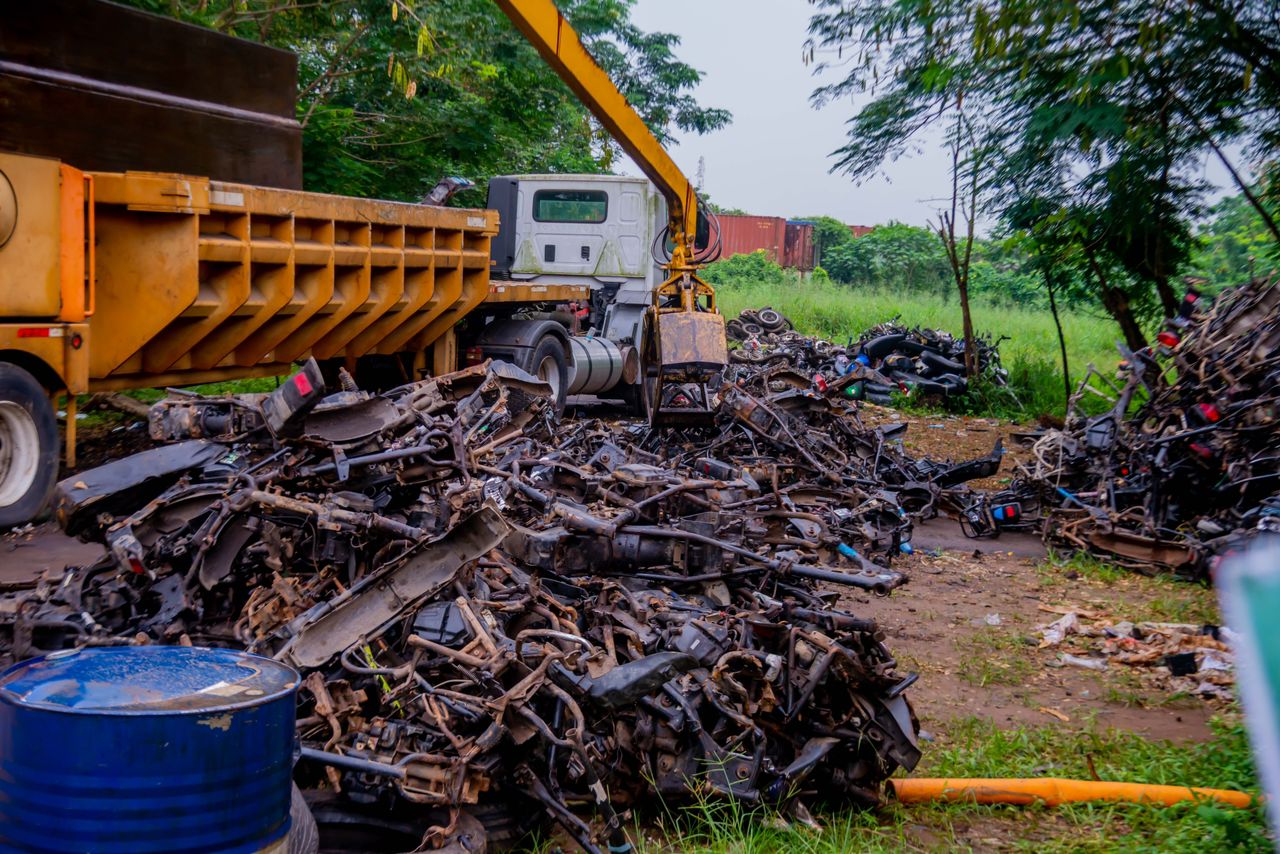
1183, 467
1178, 658
117, 402
887, 359
498, 616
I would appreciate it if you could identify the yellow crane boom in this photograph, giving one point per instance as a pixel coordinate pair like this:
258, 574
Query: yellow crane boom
547, 30
684, 346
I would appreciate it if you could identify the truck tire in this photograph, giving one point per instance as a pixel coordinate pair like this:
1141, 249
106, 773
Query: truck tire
304, 836
549, 364
28, 446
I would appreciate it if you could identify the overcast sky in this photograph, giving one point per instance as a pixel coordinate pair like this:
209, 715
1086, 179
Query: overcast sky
775, 156
774, 159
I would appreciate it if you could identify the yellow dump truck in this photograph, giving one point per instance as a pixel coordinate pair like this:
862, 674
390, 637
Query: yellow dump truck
116, 277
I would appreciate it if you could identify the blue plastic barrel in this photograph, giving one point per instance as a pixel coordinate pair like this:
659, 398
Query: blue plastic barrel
146, 750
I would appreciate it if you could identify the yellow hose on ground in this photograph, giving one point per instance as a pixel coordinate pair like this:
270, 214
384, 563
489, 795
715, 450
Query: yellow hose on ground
1053, 791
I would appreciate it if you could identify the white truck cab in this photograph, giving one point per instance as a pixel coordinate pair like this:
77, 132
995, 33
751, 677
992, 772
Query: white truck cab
599, 227
592, 230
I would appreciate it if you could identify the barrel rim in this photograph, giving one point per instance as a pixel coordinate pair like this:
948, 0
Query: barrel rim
8, 697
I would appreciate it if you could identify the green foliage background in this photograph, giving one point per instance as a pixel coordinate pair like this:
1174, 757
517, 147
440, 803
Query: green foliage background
395, 94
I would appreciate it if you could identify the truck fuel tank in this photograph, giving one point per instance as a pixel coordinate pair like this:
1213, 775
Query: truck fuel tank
597, 364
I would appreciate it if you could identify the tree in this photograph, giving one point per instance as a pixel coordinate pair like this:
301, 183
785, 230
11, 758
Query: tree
1044, 227
828, 233
966, 164
1107, 105
394, 94
1233, 245
720, 209
894, 255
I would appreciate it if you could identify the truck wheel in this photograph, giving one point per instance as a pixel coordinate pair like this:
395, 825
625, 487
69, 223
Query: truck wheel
549, 366
304, 836
633, 397
28, 446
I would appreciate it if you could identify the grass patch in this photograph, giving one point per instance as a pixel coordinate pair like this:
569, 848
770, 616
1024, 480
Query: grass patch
1196, 605
251, 385
1085, 565
111, 417
1164, 598
977, 748
992, 656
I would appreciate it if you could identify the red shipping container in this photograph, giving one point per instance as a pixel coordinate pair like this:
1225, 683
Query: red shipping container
798, 251
861, 230
742, 235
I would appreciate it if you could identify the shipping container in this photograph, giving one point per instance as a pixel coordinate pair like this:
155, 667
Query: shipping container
786, 242
798, 251
742, 235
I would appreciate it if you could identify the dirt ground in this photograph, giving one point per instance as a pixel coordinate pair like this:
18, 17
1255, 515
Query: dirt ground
941, 626
955, 438
940, 623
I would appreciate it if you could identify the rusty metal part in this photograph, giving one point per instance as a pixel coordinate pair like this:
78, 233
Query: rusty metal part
315, 637
680, 359
1108, 537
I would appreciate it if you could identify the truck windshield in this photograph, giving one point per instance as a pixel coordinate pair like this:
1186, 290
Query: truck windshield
570, 205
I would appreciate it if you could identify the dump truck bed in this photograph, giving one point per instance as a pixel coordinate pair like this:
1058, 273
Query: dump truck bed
200, 280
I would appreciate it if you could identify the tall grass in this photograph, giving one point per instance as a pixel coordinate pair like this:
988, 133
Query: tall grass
839, 312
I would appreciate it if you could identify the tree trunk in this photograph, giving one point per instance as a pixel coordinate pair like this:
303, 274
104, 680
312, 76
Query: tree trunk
1062, 343
970, 350
1168, 299
1116, 302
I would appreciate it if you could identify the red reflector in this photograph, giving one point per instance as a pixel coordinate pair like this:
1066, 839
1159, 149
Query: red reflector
1209, 412
301, 383
1168, 339
76, 341
34, 332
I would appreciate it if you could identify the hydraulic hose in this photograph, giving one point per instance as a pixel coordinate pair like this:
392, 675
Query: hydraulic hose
1053, 791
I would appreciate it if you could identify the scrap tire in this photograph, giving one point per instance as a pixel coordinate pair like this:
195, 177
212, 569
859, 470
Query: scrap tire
549, 364
304, 836
771, 320
28, 446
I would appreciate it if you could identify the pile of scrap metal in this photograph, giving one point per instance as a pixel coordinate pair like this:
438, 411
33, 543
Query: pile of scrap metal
499, 617
927, 361
1183, 467
888, 358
